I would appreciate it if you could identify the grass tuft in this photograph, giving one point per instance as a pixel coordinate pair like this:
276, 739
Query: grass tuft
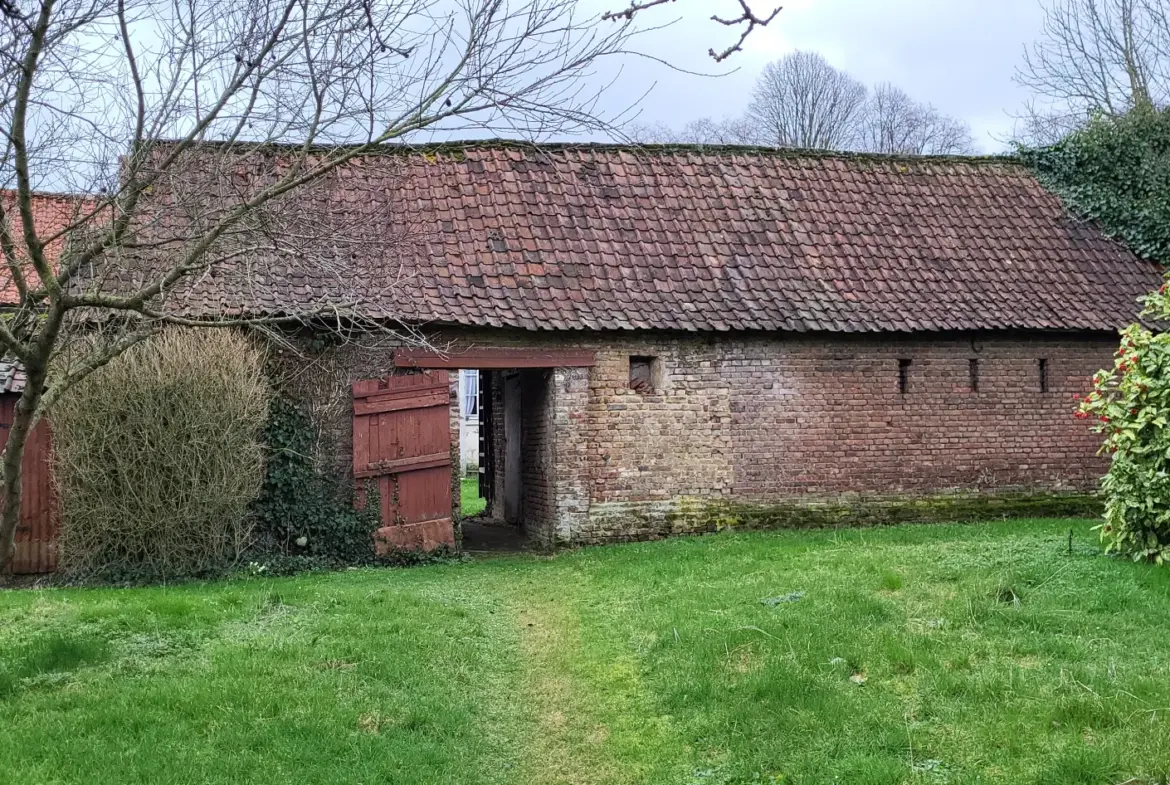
470, 502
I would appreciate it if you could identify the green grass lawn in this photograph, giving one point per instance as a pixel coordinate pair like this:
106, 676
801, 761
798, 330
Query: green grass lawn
470, 502
928, 654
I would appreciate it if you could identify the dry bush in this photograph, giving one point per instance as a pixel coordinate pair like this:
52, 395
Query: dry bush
158, 456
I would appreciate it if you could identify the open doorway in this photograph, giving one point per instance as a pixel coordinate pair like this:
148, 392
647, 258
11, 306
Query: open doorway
519, 478
472, 502
512, 492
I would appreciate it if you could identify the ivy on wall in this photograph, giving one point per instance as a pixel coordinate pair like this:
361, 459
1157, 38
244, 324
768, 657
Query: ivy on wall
1115, 171
305, 519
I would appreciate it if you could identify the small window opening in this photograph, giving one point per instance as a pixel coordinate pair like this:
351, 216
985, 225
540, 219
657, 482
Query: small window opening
1042, 366
903, 376
973, 373
470, 394
642, 375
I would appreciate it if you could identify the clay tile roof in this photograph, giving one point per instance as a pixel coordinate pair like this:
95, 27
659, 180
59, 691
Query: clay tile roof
52, 214
571, 237
12, 376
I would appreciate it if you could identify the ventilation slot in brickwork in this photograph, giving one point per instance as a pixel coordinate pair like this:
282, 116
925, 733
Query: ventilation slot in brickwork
973, 374
903, 376
1042, 366
642, 375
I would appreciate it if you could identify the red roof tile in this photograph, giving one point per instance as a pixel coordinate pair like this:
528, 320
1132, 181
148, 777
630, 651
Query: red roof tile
52, 213
603, 237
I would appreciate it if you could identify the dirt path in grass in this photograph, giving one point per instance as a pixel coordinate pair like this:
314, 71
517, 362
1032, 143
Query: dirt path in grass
556, 756
595, 722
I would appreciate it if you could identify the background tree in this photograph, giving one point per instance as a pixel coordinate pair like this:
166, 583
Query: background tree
896, 123
704, 131
87, 87
1095, 57
727, 131
802, 101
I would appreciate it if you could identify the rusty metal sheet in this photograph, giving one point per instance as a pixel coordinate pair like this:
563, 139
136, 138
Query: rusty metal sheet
36, 535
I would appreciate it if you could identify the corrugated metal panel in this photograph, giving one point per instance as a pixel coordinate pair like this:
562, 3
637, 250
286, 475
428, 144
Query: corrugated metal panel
36, 536
402, 442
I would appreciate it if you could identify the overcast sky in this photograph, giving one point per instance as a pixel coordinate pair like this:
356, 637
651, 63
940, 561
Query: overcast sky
959, 55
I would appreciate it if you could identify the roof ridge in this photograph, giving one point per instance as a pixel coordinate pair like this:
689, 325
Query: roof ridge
457, 145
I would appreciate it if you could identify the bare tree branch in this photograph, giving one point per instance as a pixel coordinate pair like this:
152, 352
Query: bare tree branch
747, 18
207, 138
750, 22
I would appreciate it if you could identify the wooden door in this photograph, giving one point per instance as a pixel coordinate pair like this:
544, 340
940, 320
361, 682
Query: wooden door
402, 445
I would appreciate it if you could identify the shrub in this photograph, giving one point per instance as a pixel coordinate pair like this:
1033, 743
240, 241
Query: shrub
158, 457
1130, 405
1115, 171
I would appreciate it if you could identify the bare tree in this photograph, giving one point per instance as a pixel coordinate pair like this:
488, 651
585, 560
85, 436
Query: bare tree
896, 123
1096, 56
728, 131
637, 132
803, 101
260, 101
704, 131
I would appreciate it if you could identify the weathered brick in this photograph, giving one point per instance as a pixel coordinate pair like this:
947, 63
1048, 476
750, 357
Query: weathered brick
740, 423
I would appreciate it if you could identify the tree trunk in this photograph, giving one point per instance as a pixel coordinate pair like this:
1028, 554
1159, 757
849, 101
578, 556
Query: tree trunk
22, 425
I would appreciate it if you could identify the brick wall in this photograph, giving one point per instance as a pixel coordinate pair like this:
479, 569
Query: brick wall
735, 423
496, 508
815, 420
571, 418
538, 456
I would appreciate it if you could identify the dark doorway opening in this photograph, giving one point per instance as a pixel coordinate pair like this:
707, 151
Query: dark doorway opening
516, 467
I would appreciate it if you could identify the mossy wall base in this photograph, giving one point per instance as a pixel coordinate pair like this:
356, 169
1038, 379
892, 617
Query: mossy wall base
623, 521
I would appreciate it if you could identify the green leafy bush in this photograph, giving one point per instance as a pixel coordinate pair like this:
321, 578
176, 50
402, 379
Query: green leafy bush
1116, 171
305, 519
1130, 405
157, 458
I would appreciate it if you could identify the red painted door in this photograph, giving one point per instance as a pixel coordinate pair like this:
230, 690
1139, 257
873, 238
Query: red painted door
36, 534
402, 444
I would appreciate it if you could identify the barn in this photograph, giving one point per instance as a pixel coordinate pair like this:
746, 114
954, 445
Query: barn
675, 339
683, 339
